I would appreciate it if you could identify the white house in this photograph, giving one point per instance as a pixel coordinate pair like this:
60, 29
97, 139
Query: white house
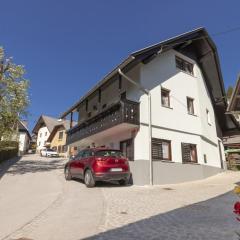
183, 77
43, 129
24, 138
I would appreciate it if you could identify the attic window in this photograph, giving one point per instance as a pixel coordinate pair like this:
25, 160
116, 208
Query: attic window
184, 65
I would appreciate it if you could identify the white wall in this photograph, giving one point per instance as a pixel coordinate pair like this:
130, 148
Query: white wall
110, 138
175, 123
42, 136
23, 142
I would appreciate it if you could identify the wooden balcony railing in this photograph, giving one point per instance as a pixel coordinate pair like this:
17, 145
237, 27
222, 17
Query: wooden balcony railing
125, 111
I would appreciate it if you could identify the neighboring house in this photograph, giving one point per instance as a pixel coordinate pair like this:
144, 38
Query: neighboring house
57, 138
187, 94
231, 137
24, 138
43, 129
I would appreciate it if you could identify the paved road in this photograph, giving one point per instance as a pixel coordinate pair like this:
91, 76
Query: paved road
36, 202
208, 220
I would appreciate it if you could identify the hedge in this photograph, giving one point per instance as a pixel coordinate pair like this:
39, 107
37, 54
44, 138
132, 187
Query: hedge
8, 149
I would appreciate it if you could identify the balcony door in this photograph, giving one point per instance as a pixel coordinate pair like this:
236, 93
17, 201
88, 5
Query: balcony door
127, 148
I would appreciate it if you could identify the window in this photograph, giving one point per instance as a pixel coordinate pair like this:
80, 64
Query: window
64, 148
165, 97
40, 135
59, 149
45, 133
39, 143
95, 108
208, 117
87, 153
190, 105
161, 149
184, 65
108, 153
127, 148
189, 153
60, 135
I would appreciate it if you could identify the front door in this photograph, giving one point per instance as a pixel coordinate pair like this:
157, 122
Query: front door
127, 148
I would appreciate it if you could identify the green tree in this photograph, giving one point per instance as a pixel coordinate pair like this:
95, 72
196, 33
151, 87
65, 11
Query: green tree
14, 98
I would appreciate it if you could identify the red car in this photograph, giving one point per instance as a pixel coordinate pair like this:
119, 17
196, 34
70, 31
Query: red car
98, 164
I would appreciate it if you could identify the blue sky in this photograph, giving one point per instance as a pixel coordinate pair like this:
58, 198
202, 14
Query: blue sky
67, 46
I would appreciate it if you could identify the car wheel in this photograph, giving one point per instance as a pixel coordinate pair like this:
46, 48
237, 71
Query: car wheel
88, 179
67, 174
123, 182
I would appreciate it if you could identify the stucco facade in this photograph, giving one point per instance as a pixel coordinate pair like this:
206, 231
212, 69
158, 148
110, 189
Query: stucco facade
42, 136
186, 132
24, 141
58, 141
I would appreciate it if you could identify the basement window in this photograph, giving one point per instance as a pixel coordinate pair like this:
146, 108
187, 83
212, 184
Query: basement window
161, 149
189, 153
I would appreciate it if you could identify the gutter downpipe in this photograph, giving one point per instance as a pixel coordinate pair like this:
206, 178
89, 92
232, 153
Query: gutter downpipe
147, 92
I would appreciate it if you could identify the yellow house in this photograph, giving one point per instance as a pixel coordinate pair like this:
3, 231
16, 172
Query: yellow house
57, 138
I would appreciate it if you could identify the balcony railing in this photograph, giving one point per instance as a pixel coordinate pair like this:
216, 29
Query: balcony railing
125, 111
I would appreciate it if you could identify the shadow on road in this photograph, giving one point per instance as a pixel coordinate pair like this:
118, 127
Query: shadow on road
32, 166
211, 219
4, 166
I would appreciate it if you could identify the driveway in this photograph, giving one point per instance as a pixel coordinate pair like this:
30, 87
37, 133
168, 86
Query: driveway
37, 203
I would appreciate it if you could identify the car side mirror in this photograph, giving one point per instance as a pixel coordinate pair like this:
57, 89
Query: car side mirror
71, 157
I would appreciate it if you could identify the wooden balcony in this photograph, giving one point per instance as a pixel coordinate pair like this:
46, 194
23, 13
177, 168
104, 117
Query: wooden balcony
124, 111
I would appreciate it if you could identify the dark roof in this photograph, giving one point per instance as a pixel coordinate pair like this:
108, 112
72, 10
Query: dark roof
23, 128
49, 122
234, 103
64, 123
198, 42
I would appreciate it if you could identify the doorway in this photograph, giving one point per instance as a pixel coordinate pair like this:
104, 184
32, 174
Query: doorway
127, 148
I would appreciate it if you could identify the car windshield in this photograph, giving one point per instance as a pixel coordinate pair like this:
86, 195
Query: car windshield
50, 150
109, 153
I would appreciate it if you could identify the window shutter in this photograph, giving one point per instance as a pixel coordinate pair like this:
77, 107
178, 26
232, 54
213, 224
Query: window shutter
186, 151
157, 149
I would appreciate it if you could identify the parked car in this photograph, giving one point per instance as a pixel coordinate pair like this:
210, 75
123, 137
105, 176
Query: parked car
98, 164
48, 152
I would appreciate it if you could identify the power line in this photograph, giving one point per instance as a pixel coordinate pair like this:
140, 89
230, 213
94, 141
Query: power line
205, 37
227, 31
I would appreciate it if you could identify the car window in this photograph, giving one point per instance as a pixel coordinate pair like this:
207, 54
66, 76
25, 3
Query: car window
50, 150
108, 153
87, 153
78, 156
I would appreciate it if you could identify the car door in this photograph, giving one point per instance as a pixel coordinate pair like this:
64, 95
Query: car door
74, 163
79, 164
83, 162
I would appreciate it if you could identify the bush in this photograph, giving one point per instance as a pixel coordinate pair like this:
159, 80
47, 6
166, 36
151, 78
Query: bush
8, 149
